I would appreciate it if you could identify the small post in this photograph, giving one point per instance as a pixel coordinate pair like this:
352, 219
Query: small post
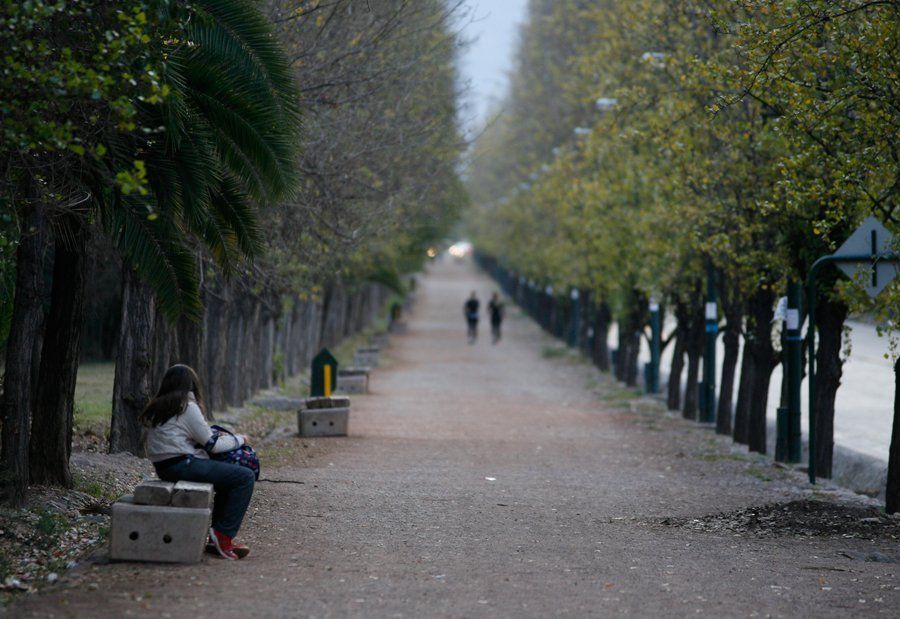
794, 371
708, 409
323, 374
655, 346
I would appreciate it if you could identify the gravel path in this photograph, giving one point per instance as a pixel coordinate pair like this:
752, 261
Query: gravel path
514, 481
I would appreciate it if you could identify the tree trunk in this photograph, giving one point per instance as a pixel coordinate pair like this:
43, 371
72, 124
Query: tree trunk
731, 340
603, 319
135, 356
622, 350
830, 317
673, 388
189, 348
759, 342
892, 492
691, 387
323, 318
742, 411
637, 320
682, 339
22, 352
217, 312
694, 343
51, 425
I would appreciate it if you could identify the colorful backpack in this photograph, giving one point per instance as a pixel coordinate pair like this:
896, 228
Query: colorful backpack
244, 455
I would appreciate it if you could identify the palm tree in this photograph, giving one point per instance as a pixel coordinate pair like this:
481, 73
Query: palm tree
219, 146
230, 147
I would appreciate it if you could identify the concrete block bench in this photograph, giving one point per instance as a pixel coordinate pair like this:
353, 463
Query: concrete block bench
353, 380
366, 357
161, 522
328, 416
399, 328
381, 340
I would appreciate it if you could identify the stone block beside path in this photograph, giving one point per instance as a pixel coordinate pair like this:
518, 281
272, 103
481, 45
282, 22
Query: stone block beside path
155, 533
366, 357
353, 380
324, 417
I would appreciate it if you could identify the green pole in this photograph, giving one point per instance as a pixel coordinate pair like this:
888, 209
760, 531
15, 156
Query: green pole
708, 413
655, 346
794, 364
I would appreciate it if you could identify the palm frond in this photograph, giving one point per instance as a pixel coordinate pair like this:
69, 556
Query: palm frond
160, 256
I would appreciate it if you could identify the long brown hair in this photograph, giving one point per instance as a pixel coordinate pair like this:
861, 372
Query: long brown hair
172, 397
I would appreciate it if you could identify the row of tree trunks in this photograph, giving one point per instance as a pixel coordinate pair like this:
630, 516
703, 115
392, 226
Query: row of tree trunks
235, 348
746, 421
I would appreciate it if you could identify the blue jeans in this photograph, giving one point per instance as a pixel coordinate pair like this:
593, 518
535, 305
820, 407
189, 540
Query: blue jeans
233, 485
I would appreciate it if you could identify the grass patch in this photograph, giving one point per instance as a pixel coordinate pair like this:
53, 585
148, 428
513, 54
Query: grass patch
554, 352
48, 523
617, 393
93, 396
103, 490
722, 457
759, 473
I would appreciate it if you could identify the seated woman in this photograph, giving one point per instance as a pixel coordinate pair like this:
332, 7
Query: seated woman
176, 434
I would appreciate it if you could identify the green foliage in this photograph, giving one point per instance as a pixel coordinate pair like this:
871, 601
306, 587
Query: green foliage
171, 124
48, 523
70, 68
755, 135
380, 141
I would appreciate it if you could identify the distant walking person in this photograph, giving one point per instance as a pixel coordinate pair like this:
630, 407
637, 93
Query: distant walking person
470, 310
496, 310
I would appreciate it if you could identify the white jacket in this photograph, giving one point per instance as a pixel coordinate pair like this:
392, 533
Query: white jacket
182, 434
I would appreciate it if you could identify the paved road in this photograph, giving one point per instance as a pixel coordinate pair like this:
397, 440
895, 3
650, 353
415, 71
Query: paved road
502, 481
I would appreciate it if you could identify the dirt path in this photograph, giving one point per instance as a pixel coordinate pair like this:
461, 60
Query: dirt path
497, 481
